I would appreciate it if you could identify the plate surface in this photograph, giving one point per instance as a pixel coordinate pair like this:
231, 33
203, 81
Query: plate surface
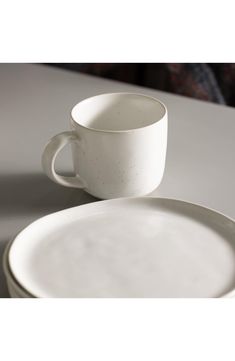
130, 247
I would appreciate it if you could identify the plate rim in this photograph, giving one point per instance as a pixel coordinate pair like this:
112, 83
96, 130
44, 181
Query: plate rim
8, 274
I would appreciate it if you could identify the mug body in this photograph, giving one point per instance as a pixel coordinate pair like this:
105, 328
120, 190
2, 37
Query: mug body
121, 147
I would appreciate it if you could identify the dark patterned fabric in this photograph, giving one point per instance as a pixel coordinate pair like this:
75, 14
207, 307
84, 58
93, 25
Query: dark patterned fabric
212, 82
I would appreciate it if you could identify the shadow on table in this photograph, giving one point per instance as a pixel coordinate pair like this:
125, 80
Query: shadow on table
3, 286
26, 197
27, 193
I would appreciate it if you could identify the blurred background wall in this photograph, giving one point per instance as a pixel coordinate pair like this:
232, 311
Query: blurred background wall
214, 82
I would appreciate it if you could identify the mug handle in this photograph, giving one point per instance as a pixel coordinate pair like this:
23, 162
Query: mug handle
50, 152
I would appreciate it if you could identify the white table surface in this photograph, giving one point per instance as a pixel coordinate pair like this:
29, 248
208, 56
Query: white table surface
35, 102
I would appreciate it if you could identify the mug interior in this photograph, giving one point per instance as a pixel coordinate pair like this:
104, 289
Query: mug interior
118, 112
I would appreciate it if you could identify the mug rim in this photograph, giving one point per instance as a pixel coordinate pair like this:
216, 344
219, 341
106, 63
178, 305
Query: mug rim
124, 130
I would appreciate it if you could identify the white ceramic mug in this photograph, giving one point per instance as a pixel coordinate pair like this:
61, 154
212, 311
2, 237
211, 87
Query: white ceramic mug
119, 143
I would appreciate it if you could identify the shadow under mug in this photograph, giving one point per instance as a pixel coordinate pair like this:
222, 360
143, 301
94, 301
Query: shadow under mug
119, 143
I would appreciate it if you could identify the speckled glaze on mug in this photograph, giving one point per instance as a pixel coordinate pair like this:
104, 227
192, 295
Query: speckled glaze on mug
119, 143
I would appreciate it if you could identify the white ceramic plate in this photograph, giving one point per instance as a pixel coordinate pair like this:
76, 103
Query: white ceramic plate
130, 247
14, 288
